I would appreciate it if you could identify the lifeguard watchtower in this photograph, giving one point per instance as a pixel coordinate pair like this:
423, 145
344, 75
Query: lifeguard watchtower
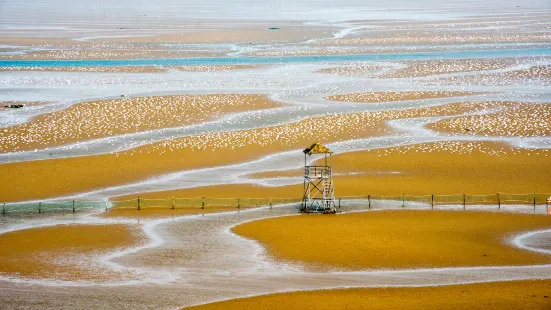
319, 195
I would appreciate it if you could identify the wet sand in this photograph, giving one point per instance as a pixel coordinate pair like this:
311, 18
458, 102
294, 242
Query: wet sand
133, 69
523, 120
205, 150
494, 295
371, 97
224, 191
88, 69
71, 54
442, 168
104, 118
399, 239
427, 37
534, 74
64, 252
447, 66
425, 68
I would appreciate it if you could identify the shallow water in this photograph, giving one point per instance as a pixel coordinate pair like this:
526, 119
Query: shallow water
202, 261
250, 60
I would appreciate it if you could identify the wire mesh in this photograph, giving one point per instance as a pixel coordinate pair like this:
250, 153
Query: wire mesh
200, 202
220, 202
505, 198
278, 201
21, 207
541, 198
181, 203
386, 200
424, 199
456, 199
156, 203
57, 205
482, 199
254, 202
125, 204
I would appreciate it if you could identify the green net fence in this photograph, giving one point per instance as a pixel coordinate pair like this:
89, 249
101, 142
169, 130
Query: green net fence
456, 199
481, 199
181, 203
243, 202
505, 198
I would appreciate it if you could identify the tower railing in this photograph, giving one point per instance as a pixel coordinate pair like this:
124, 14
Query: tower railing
315, 172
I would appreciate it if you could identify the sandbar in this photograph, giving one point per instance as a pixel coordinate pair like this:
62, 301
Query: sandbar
104, 118
397, 239
205, 150
530, 294
64, 252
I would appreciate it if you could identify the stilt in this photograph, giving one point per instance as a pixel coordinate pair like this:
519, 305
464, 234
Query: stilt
318, 195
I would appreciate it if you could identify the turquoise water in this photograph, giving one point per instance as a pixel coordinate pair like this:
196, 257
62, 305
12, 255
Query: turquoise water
245, 60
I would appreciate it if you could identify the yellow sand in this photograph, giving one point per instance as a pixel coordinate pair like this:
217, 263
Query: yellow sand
105, 118
370, 97
422, 37
204, 150
538, 74
535, 294
438, 168
397, 239
421, 68
515, 120
61, 252
487, 168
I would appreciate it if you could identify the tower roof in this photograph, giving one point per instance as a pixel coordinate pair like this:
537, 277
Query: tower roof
317, 148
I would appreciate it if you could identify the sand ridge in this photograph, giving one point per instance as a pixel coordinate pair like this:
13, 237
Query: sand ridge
494, 295
524, 120
103, 118
483, 168
372, 97
450, 238
203, 151
36, 252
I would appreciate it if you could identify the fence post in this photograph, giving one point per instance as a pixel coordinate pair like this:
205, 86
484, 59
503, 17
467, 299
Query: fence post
432, 202
73, 206
339, 202
138, 203
4, 208
106, 206
464, 202
172, 203
534, 202
369, 201
498, 202
238, 204
40, 207
403, 201
270, 202
203, 202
